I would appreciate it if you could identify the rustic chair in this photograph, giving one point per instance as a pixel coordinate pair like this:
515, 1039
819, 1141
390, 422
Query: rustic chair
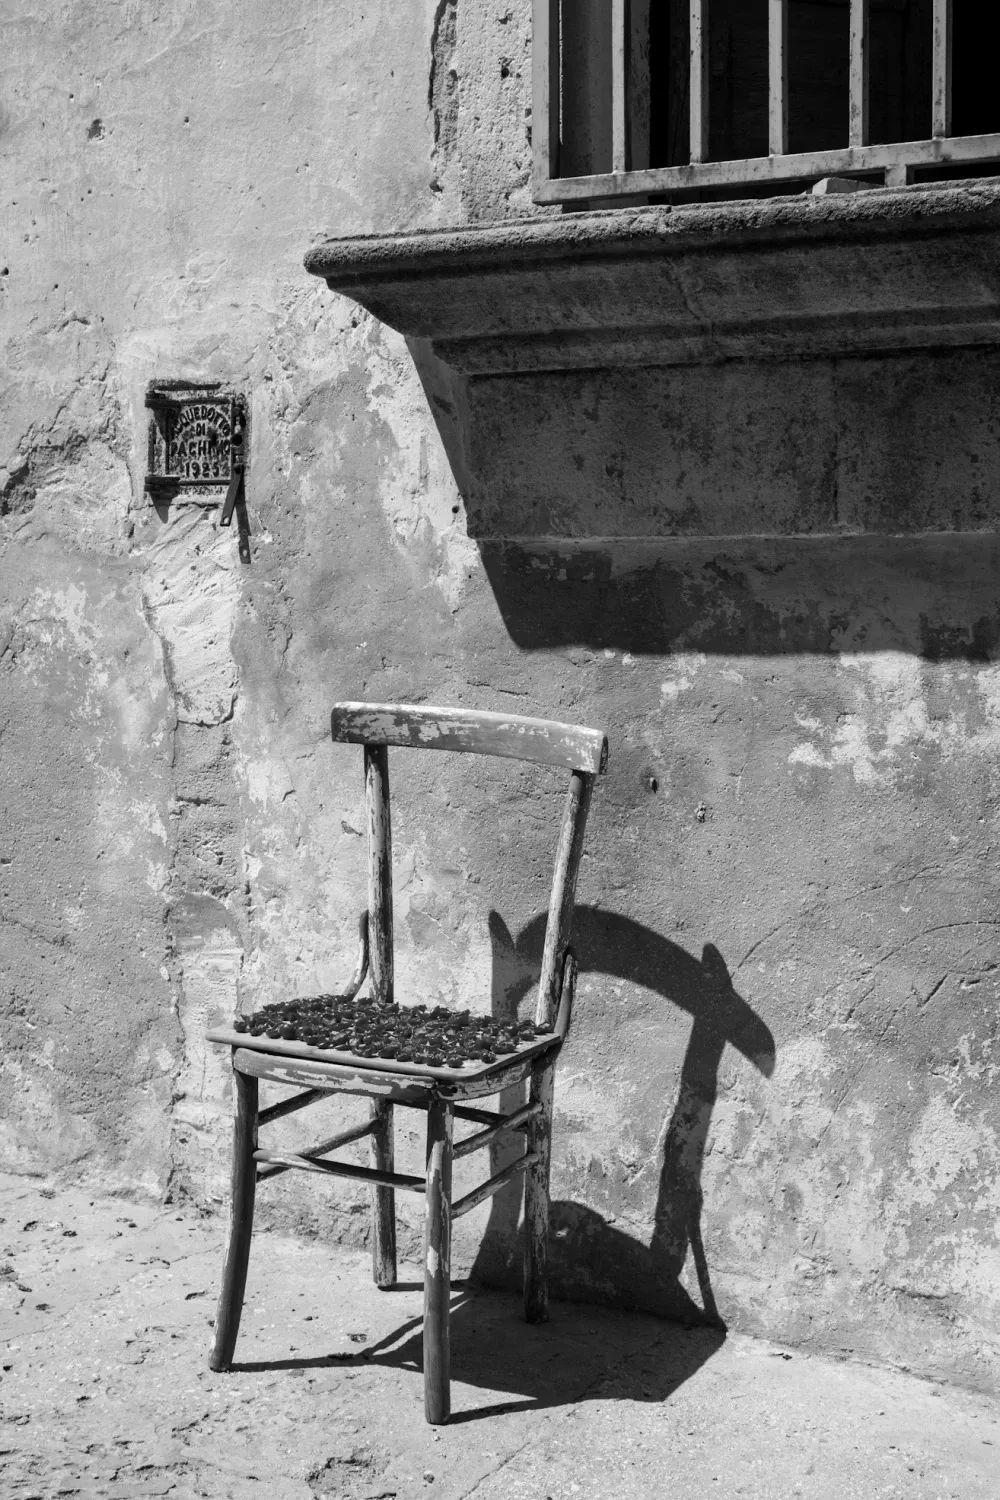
439, 1090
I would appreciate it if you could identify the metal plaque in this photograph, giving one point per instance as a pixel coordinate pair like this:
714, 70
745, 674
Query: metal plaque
198, 438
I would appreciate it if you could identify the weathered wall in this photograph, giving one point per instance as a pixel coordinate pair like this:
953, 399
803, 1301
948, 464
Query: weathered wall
778, 1095
163, 168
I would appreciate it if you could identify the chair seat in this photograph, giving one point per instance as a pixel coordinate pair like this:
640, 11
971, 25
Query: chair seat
472, 1079
439, 1044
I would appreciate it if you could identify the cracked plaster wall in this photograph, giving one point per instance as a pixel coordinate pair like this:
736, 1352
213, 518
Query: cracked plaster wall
804, 734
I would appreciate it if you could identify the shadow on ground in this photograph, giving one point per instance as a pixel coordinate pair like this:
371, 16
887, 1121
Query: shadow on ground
575, 1357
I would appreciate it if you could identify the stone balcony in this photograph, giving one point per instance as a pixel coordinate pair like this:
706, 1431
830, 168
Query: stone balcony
787, 366
779, 278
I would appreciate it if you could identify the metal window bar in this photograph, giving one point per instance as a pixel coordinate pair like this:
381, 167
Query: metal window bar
777, 77
895, 159
858, 76
698, 91
941, 68
619, 100
546, 73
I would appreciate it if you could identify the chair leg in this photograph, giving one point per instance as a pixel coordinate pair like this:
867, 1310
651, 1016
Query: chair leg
536, 1194
383, 1198
244, 1187
437, 1264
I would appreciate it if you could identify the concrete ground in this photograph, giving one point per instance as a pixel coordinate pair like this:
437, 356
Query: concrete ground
106, 1310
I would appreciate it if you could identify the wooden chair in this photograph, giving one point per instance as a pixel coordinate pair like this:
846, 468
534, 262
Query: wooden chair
438, 1090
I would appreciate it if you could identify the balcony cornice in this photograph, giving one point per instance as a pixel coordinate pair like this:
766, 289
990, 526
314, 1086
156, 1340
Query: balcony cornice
776, 278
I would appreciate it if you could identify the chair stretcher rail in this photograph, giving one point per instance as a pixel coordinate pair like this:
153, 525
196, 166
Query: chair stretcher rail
289, 1106
342, 1138
341, 1169
515, 1121
462, 1112
493, 1185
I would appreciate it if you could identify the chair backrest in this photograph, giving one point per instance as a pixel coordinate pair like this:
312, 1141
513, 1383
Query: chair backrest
583, 752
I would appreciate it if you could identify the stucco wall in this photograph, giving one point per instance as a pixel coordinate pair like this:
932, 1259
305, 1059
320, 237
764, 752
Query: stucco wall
787, 1011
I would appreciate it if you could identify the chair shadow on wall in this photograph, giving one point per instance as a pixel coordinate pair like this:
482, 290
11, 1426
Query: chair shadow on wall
588, 1352
591, 1259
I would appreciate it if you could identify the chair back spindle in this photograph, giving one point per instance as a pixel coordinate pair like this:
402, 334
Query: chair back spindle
582, 751
379, 872
560, 919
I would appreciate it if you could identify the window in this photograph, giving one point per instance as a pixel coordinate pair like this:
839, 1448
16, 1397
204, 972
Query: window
637, 97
